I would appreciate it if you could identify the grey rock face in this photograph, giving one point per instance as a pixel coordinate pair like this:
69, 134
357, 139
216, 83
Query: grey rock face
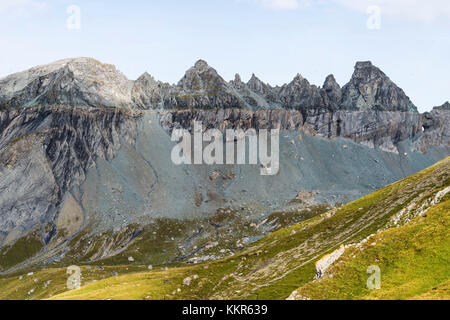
264, 90
233, 119
370, 89
44, 152
255, 93
436, 129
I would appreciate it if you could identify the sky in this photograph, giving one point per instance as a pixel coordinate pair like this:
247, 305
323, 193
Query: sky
275, 39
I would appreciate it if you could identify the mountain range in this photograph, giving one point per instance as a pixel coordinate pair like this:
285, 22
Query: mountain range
86, 175
87, 82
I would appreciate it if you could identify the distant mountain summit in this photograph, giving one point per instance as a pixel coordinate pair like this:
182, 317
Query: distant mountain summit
73, 82
87, 82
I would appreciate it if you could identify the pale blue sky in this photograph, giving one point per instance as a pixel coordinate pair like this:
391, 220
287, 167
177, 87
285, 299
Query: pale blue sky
275, 39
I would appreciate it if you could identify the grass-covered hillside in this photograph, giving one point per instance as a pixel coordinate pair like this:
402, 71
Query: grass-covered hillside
402, 228
414, 262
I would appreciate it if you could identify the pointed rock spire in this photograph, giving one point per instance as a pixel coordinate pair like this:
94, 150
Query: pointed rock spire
330, 83
257, 85
237, 82
146, 78
331, 93
298, 78
70, 82
300, 94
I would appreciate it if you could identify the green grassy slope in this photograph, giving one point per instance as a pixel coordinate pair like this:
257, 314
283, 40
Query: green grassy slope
275, 266
414, 261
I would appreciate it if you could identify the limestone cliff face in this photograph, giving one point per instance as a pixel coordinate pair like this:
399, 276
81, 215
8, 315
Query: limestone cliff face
44, 152
264, 90
375, 129
383, 130
233, 119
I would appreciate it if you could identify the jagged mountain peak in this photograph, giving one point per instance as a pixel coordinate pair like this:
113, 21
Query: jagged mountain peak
298, 78
88, 82
203, 87
371, 89
149, 93
365, 71
146, 78
331, 93
261, 88
255, 83
254, 80
363, 64
330, 81
445, 106
146, 75
201, 65
201, 77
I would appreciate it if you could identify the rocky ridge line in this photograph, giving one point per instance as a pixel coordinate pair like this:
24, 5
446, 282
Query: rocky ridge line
87, 82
